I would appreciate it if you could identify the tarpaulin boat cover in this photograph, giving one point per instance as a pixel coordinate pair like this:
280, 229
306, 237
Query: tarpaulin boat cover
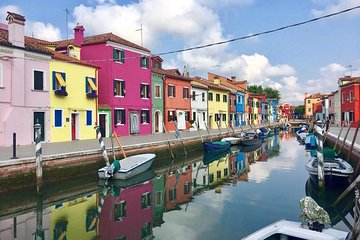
311, 212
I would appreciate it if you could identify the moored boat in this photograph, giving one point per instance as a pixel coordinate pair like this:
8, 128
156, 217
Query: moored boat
128, 167
232, 140
250, 141
216, 146
336, 171
263, 132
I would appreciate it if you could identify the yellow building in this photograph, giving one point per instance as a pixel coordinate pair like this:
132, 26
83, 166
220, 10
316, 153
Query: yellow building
256, 110
218, 103
218, 170
76, 219
73, 99
308, 103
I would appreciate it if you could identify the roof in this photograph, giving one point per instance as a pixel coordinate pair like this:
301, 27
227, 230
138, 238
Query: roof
210, 84
228, 82
15, 16
171, 73
101, 38
349, 80
199, 85
315, 95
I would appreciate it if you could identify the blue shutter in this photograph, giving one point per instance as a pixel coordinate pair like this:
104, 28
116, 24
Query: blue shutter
88, 118
58, 118
53, 81
86, 85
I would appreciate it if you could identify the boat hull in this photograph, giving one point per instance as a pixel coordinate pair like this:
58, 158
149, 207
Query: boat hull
216, 146
232, 140
250, 142
130, 166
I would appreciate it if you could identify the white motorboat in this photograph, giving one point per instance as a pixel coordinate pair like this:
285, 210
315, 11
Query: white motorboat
284, 229
232, 140
336, 171
129, 167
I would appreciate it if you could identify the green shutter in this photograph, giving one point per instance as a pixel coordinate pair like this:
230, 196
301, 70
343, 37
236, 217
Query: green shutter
115, 54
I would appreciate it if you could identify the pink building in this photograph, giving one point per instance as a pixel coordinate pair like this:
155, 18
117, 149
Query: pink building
127, 213
125, 104
24, 84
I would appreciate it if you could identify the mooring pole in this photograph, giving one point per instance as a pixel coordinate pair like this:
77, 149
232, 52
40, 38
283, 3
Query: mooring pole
102, 145
337, 140
320, 156
227, 128
343, 143
352, 146
39, 235
167, 138
198, 129
38, 154
14, 146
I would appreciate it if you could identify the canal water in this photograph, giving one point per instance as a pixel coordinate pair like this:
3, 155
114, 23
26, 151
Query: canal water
224, 196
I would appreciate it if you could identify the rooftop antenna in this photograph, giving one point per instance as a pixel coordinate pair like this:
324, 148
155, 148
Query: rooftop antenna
141, 32
67, 14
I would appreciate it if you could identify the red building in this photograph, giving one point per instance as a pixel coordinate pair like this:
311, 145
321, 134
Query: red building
350, 99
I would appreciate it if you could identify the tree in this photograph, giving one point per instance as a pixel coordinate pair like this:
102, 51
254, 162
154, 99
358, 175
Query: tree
255, 88
272, 93
299, 110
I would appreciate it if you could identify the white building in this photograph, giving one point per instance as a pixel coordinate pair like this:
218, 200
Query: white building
199, 176
199, 94
337, 108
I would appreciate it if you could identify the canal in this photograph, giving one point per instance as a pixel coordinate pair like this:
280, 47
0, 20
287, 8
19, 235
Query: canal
207, 197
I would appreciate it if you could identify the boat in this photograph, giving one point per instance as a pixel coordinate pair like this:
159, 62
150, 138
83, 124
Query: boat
263, 132
250, 141
310, 141
128, 167
301, 135
284, 229
214, 155
314, 220
216, 146
336, 171
232, 140
250, 148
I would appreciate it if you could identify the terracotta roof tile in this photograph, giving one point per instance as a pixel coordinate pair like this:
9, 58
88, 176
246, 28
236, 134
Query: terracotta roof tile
210, 84
170, 73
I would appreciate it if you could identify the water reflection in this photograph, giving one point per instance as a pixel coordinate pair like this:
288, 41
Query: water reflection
209, 189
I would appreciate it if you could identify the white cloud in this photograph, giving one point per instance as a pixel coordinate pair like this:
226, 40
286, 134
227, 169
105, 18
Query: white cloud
42, 30
339, 6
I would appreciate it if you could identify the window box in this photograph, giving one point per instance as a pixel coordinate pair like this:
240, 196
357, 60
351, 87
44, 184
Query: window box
91, 94
61, 92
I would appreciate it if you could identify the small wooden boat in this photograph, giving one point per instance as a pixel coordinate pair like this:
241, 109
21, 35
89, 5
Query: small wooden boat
284, 229
336, 171
250, 141
216, 146
129, 167
232, 140
250, 148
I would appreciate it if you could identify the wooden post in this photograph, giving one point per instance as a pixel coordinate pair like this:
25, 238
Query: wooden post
167, 138
352, 146
217, 123
198, 129
14, 146
119, 143
320, 157
227, 128
112, 147
347, 190
207, 129
102, 146
343, 143
337, 140
38, 154
39, 235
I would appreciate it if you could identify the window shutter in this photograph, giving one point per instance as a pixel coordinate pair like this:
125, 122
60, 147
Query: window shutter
115, 54
114, 87
124, 89
86, 85
53, 81
122, 53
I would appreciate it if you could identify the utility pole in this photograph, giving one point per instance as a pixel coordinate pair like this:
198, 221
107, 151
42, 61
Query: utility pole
67, 13
141, 32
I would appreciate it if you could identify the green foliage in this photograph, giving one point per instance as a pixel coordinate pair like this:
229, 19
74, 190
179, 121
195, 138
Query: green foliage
300, 109
255, 89
269, 92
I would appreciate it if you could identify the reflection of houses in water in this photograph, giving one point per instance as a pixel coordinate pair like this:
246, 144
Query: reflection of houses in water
158, 199
24, 226
75, 219
178, 188
199, 176
127, 213
219, 170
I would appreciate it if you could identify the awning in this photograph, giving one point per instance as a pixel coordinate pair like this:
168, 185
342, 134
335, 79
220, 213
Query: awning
60, 79
92, 84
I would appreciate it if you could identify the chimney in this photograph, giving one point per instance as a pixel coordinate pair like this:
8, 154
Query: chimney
217, 81
79, 35
16, 30
233, 78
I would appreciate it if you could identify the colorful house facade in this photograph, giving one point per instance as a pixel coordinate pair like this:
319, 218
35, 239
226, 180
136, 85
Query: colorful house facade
350, 100
272, 109
24, 84
199, 105
308, 103
157, 82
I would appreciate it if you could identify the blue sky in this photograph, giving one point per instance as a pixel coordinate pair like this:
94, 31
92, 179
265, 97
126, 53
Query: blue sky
309, 58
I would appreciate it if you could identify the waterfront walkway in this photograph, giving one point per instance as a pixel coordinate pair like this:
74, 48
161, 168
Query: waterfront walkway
78, 147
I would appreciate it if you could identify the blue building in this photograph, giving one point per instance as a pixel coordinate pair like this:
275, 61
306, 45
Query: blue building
240, 108
272, 110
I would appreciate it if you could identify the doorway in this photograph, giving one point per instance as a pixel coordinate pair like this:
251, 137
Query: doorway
134, 123
74, 126
39, 117
103, 124
157, 122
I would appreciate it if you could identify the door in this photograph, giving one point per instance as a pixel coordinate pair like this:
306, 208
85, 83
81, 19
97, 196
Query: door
181, 119
134, 123
157, 121
39, 117
74, 126
102, 124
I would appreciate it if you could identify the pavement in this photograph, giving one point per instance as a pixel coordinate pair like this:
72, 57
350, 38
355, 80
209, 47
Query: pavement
80, 147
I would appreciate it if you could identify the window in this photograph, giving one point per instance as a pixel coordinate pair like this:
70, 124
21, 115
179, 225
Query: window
119, 210
58, 118
224, 117
171, 116
172, 194
119, 56
309, 109
224, 98
144, 62
218, 174
58, 80
145, 200
171, 91
187, 116
308, 101
145, 116
185, 92
187, 187
203, 97
193, 95
119, 88
204, 116
38, 80
144, 90
90, 85
351, 116
210, 96
351, 96
257, 104
342, 116
343, 97
194, 116
157, 91
218, 97
146, 230
211, 178
88, 117
158, 198
226, 172
217, 118
119, 117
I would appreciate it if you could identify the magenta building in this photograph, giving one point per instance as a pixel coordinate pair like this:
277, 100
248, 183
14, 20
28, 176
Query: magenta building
127, 213
125, 104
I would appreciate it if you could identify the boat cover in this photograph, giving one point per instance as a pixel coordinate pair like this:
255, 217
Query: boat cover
311, 212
